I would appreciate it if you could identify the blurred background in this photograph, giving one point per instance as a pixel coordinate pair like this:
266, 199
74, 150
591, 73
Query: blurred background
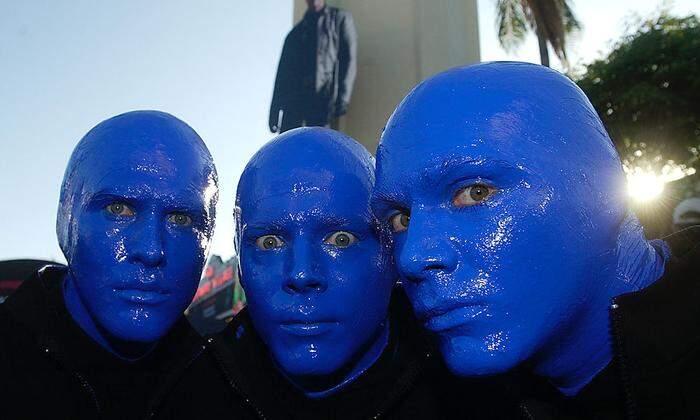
66, 66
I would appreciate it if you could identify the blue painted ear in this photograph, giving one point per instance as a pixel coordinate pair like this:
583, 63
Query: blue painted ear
515, 226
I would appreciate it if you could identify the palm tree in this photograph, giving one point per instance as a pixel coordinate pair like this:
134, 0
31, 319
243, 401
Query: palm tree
551, 20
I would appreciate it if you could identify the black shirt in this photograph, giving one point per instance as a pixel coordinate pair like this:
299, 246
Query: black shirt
656, 352
400, 384
52, 369
122, 387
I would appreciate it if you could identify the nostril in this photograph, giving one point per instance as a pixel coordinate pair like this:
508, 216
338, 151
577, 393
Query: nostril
303, 283
303, 288
416, 269
317, 286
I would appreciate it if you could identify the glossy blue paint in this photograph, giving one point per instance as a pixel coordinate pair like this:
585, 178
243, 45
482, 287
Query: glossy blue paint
315, 263
135, 218
512, 232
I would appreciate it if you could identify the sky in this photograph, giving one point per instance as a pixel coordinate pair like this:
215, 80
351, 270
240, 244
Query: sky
603, 22
66, 66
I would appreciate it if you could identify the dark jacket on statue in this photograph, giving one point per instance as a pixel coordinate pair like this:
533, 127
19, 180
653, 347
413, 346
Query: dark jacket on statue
402, 384
51, 369
655, 372
316, 71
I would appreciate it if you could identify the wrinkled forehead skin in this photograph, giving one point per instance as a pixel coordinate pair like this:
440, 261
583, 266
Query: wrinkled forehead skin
308, 162
525, 115
156, 145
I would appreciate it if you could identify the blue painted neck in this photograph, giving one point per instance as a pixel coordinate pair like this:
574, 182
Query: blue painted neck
127, 351
587, 349
315, 388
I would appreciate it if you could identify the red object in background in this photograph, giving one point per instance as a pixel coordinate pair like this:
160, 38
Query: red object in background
214, 284
14, 272
218, 298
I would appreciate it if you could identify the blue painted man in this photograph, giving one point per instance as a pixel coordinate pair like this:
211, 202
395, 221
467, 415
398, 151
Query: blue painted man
516, 245
102, 336
319, 337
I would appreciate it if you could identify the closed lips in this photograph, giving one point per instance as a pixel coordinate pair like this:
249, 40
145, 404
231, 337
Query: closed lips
307, 328
141, 296
143, 288
452, 317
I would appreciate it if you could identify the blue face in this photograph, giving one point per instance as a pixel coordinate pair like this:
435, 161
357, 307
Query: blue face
494, 177
316, 275
134, 222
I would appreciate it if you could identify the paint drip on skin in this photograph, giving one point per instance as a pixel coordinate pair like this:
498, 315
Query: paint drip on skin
536, 250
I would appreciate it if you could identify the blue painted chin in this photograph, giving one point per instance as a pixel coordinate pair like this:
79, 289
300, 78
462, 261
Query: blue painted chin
511, 228
134, 222
314, 261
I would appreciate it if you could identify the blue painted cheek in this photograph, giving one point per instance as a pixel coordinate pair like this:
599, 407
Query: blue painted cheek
304, 297
467, 259
185, 251
132, 273
545, 260
326, 283
115, 259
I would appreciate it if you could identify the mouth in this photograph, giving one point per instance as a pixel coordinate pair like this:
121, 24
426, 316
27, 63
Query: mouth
456, 317
147, 296
306, 329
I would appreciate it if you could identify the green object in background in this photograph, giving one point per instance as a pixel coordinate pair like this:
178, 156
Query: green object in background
647, 92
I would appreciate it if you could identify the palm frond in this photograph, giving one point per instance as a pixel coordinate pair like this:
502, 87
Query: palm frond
551, 20
511, 22
571, 24
554, 19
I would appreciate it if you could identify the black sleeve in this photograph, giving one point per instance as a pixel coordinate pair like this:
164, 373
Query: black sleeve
347, 57
281, 85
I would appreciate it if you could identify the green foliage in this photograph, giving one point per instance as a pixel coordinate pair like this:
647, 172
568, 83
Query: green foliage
647, 91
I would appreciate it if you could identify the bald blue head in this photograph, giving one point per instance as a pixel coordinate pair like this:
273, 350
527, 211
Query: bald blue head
312, 253
508, 203
530, 114
328, 158
135, 217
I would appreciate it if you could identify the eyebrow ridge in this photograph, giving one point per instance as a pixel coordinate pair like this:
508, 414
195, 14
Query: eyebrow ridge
434, 174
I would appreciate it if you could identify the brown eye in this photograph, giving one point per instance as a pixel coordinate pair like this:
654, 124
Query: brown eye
472, 195
341, 239
180, 219
268, 242
119, 209
399, 222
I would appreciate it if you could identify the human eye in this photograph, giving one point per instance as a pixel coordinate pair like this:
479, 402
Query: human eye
180, 219
472, 195
399, 222
341, 239
268, 242
118, 208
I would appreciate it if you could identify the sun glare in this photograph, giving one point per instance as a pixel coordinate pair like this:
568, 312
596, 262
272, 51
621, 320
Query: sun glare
644, 186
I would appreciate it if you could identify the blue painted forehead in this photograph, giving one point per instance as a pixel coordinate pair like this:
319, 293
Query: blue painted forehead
150, 142
139, 138
306, 158
525, 109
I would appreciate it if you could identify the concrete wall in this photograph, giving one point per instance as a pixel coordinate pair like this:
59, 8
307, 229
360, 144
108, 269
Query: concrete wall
401, 42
